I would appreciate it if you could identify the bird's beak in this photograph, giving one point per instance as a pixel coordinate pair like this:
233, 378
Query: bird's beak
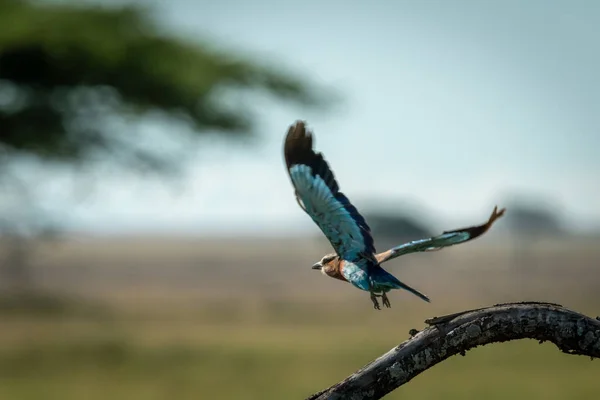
317, 266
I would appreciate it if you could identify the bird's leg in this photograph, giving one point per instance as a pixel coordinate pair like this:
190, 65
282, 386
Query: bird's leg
375, 302
386, 301
373, 296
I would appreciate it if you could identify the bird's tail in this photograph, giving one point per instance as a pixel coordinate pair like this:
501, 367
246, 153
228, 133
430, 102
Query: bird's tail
382, 278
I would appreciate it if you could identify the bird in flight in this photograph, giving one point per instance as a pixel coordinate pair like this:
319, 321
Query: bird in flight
355, 259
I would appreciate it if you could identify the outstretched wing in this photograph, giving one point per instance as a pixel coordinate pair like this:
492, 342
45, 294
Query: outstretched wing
448, 238
317, 193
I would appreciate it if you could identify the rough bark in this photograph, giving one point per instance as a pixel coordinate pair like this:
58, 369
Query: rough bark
571, 332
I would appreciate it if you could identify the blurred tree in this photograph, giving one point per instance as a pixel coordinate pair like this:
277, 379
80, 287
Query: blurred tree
67, 72
533, 221
391, 229
63, 69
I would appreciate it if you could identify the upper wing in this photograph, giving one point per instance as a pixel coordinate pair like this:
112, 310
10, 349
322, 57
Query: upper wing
448, 238
317, 193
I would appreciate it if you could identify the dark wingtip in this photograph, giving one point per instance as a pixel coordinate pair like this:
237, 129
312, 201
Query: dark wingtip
298, 146
478, 230
496, 214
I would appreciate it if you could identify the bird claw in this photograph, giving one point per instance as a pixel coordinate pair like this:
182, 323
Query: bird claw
386, 301
375, 302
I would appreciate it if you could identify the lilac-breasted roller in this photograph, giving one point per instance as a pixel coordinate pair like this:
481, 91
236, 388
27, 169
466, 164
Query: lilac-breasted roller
355, 259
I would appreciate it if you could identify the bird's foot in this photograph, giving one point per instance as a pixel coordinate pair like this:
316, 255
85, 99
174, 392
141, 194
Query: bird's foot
386, 301
375, 302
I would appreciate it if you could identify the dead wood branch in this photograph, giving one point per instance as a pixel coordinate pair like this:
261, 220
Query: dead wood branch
571, 332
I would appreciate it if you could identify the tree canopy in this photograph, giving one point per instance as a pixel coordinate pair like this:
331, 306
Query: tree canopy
65, 68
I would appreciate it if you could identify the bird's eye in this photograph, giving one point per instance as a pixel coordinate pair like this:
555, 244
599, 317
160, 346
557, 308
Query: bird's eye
327, 259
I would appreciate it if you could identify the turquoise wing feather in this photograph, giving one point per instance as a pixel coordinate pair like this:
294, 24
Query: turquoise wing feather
317, 193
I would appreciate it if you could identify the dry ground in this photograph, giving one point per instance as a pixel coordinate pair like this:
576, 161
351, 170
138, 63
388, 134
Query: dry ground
249, 319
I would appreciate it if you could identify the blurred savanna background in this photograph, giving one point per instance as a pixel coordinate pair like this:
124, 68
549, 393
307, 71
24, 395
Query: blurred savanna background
151, 246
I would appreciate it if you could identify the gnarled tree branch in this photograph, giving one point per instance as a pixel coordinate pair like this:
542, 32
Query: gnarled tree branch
571, 332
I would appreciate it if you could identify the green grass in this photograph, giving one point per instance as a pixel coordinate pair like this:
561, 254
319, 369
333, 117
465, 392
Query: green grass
92, 360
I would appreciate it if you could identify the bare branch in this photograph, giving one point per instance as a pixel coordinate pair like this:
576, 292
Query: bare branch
571, 332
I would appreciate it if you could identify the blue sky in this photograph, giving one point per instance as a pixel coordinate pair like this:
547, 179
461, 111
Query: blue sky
449, 106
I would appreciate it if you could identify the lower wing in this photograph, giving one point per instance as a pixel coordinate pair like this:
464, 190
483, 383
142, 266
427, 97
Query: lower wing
448, 238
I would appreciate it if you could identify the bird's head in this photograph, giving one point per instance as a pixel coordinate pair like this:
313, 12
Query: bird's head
328, 264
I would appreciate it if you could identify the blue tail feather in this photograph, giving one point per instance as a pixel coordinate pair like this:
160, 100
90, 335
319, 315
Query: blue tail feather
384, 281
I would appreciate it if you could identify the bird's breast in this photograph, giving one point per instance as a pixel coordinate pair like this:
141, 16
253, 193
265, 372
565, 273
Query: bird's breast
335, 271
